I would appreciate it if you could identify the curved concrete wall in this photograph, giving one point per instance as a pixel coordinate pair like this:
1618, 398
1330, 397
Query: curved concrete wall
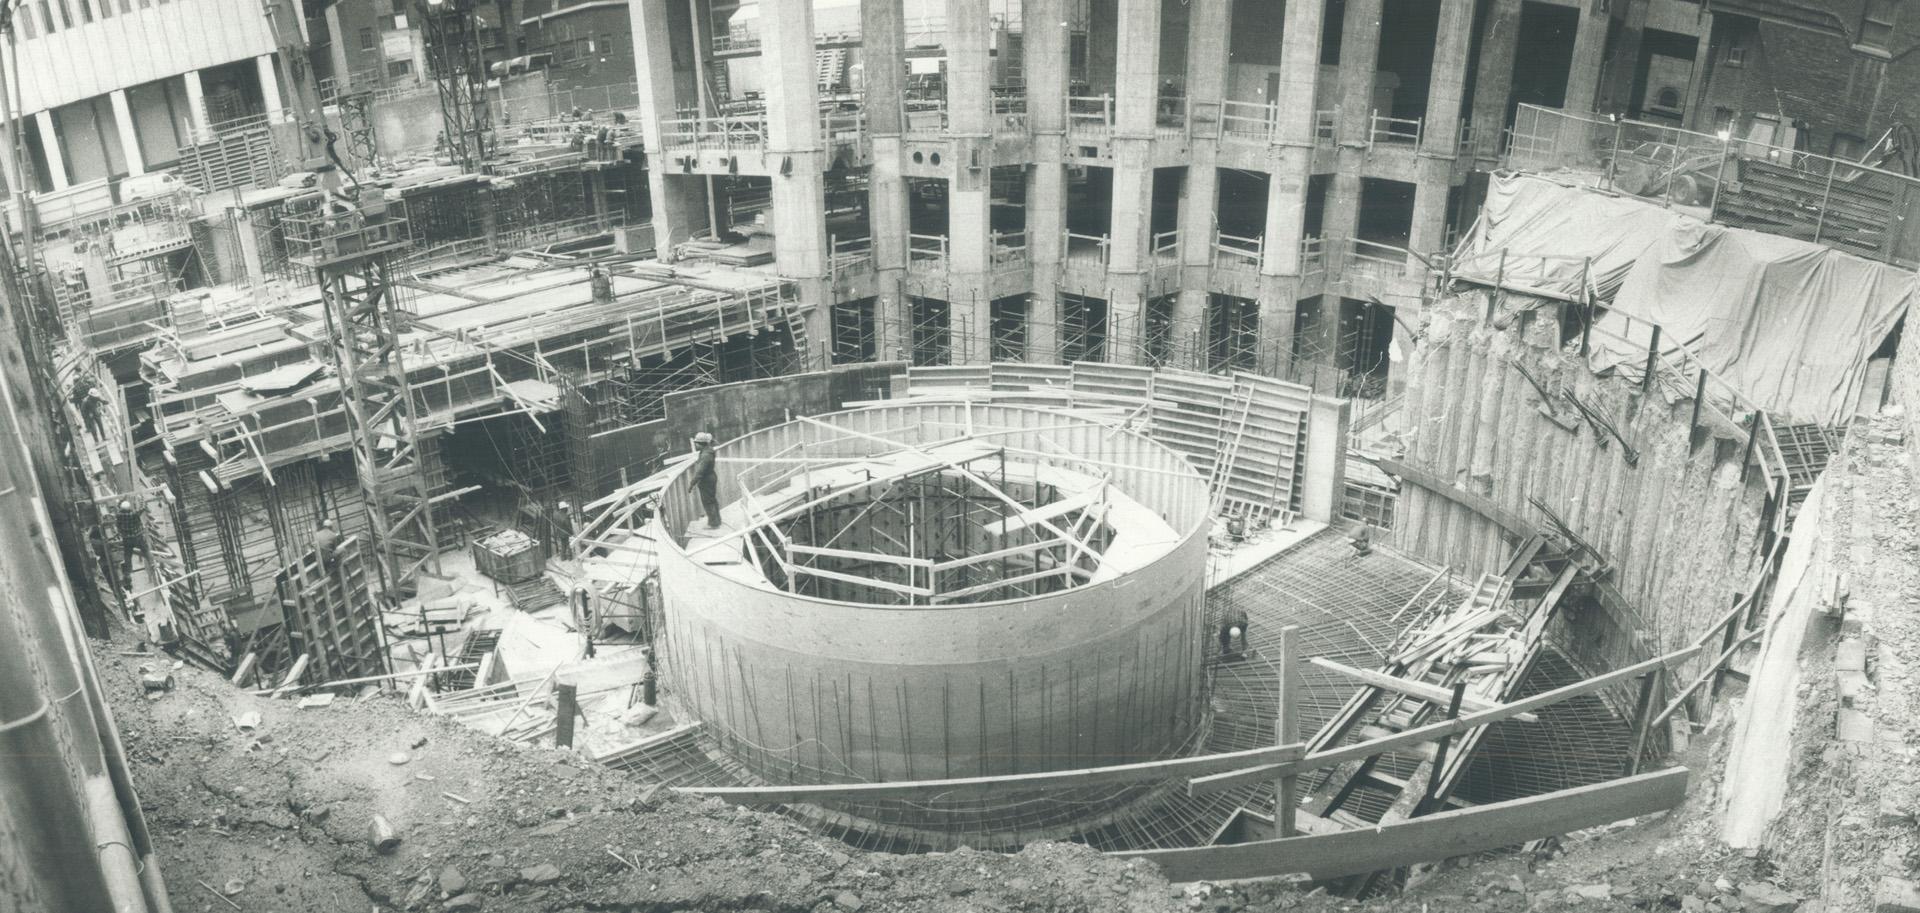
810, 690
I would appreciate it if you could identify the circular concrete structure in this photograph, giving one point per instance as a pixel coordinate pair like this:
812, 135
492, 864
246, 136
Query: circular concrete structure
922, 591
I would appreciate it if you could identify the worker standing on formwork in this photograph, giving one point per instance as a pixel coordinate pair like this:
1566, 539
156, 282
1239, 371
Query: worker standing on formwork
326, 542
706, 478
132, 528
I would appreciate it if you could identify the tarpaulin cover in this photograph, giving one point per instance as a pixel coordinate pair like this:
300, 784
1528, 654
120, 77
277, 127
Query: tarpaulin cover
1548, 230
1790, 324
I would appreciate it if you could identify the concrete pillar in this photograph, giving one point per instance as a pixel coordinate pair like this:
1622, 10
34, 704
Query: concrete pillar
129, 140
50, 146
679, 200
969, 79
1618, 92
1441, 142
270, 88
1447, 91
1130, 250
1583, 74
1359, 64
196, 101
1293, 150
1208, 39
796, 158
1137, 72
1493, 85
337, 49
1046, 74
1279, 296
14, 180
970, 163
883, 48
1697, 116
1323, 481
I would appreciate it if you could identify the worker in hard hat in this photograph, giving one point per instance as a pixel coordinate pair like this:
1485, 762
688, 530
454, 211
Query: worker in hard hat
132, 528
326, 542
706, 478
1233, 625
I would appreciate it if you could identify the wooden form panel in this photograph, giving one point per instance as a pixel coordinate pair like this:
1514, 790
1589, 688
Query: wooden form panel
1429, 838
330, 604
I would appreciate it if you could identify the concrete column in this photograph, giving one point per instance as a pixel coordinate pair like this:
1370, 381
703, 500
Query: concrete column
1583, 74
270, 88
1208, 39
969, 78
1046, 73
1137, 71
14, 181
1441, 141
1493, 86
337, 49
1294, 141
1618, 92
883, 48
1447, 92
679, 200
50, 146
196, 101
1697, 115
129, 141
1359, 64
795, 156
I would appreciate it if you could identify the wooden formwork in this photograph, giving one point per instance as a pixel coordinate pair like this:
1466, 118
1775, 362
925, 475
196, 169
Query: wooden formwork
332, 610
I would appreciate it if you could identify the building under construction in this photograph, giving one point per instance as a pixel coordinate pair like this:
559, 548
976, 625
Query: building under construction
1309, 441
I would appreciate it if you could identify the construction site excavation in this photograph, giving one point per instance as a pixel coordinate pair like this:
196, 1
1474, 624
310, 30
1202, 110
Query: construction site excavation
958, 455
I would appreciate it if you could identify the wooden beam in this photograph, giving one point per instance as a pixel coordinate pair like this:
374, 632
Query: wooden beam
1432, 694
1429, 838
1200, 786
1286, 727
1513, 523
976, 787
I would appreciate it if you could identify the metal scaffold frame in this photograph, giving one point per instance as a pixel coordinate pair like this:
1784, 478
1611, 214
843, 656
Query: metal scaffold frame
350, 254
459, 73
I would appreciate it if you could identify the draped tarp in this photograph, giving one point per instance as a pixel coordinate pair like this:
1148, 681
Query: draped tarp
1547, 232
1790, 324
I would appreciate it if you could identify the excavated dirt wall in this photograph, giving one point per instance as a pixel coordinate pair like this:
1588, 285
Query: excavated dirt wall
1679, 526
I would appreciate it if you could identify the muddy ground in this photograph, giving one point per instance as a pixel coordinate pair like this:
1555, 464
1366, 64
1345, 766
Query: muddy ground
277, 817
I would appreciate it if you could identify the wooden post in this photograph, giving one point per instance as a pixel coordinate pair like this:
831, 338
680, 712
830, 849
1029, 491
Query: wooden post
1653, 361
1643, 710
1439, 770
1699, 397
1287, 728
567, 705
1720, 665
1753, 440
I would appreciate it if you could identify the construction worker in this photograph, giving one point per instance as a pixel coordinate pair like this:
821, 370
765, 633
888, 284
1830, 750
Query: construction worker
132, 536
326, 541
706, 478
1233, 624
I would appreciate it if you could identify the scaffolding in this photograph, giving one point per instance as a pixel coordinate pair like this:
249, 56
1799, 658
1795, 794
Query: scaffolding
349, 252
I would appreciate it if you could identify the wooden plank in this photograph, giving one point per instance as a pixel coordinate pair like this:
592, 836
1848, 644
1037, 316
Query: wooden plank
1511, 522
982, 787
1433, 837
1432, 694
1213, 783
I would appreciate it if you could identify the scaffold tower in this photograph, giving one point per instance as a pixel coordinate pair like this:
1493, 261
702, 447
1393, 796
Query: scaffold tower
349, 249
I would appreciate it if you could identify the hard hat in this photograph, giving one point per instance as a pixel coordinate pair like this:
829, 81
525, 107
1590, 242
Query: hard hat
126, 504
703, 438
1235, 630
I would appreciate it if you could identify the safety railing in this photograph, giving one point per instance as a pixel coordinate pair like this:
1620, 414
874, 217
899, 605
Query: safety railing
1249, 121
1166, 245
1088, 248
1009, 109
843, 123
730, 133
1090, 115
926, 253
1313, 256
1010, 250
1236, 253
1850, 206
925, 114
1326, 125
1394, 131
849, 254
1374, 259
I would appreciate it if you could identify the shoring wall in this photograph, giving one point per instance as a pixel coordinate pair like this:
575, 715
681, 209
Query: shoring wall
809, 690
1680, 529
